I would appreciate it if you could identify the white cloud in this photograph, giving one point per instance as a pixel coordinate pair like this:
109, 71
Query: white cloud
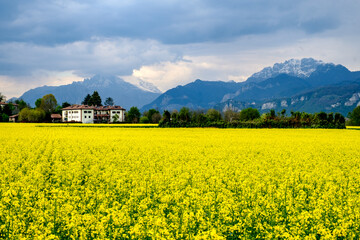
231, 61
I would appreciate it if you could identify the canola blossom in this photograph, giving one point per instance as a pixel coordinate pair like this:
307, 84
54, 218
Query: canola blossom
59, 182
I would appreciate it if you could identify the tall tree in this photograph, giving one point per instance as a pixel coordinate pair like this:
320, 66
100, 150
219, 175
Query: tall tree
184, 114
133, 115
355, 117
166, 116
48, 103
109, 102
65, 104
95, 99
86, 100
8, 108
2, 97
249, 114
213, 115
38, 102
150, 114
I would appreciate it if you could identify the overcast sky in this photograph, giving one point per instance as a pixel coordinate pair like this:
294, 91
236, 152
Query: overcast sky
168, 42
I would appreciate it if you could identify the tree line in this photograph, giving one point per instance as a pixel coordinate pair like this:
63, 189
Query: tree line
134, 116
250, 118
246, 118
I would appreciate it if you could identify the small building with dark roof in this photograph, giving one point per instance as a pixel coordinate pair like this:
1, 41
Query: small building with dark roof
14, 118
55, 117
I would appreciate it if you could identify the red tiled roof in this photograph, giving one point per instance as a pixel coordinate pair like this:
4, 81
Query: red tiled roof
4, 103
76, 106
109, 108
98, 108
55, 115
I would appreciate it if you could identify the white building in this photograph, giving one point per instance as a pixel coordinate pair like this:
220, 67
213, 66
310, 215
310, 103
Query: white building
93, 114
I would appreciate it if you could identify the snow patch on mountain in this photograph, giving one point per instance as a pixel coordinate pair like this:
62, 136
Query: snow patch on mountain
284, 103
146, 86
269, 105
294, 67
354, 98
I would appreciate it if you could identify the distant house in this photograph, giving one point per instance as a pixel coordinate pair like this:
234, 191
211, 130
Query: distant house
93, 114
14, 118
55, 118
3, 104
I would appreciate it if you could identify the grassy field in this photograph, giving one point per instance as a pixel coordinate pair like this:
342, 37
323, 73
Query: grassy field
61, 182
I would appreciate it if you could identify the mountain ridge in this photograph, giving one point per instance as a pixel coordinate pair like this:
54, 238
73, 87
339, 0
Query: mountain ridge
123, 93
287, 80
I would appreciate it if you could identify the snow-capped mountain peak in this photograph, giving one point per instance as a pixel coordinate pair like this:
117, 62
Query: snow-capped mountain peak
294, 67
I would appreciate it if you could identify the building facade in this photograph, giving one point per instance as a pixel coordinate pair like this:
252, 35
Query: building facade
93, 114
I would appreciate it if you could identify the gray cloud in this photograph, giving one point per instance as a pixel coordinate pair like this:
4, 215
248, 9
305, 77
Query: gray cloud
174, 22
111, 56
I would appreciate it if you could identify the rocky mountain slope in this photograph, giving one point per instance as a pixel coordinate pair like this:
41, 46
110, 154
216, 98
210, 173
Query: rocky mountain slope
305, 85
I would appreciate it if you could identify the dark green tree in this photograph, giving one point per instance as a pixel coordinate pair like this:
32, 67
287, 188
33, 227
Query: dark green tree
174, 115
133, 115
166, 116
58, 109
144, 119
339, 119
198, 116
330, 117
86, 100
213, 115
321, 116
184, 114
7, 109
48, 103
109, 102
4, 117
149, 114
354, 117
21, 104
249, 114
38, 102
95, 99
65, 104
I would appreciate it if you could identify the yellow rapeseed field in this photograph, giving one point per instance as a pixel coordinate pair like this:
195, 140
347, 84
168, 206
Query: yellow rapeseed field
59, 182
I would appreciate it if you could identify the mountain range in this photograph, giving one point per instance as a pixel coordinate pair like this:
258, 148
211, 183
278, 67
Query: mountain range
296, 85
122, 92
